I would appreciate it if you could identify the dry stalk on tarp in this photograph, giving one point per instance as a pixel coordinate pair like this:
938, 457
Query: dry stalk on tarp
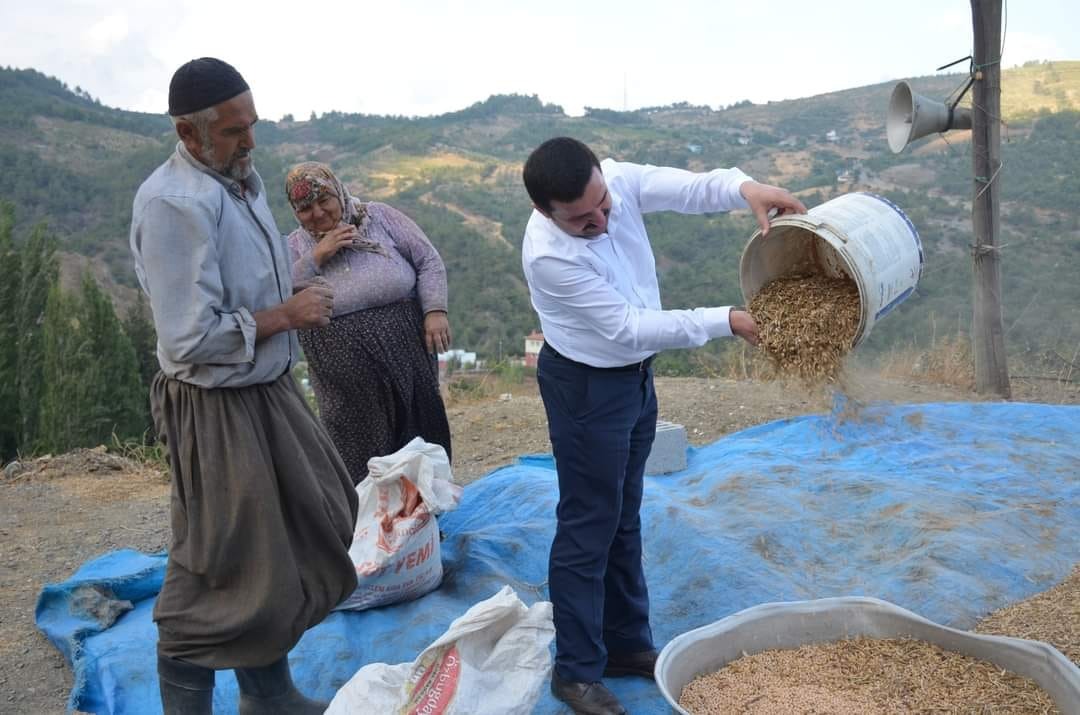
1051, 616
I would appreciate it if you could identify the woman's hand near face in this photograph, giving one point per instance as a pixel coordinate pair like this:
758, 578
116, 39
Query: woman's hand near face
436, 332
335, 239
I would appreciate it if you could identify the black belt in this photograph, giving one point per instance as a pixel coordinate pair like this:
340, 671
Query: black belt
641, 366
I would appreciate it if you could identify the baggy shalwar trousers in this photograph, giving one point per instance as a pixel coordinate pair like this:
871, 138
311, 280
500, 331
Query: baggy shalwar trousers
262, 513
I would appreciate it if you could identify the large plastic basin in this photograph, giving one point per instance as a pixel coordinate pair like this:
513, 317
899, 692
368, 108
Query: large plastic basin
773, 626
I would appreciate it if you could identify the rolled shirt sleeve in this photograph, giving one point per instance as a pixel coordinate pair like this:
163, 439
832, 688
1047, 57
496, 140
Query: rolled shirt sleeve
571, 289
661, 188
180, 267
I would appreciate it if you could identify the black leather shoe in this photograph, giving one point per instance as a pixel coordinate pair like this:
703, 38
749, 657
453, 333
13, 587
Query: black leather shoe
621, 664
586, 698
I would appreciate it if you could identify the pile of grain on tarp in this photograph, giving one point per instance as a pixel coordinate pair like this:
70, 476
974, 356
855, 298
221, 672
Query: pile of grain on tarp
807, 324
1052, 616
863, 676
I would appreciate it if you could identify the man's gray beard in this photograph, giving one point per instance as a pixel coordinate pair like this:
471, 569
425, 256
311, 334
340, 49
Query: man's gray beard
231, 170
236, 172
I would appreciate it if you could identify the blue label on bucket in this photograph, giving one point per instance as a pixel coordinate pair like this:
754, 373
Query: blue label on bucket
914, 234
892, 304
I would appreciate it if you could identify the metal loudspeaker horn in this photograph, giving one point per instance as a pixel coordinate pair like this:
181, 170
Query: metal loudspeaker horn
912, 116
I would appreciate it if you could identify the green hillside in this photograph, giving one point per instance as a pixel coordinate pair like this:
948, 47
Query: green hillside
67, 160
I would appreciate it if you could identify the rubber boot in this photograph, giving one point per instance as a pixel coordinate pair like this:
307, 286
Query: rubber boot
269, 690
186, 689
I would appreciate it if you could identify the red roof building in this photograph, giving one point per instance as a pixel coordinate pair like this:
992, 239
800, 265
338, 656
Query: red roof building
533, 342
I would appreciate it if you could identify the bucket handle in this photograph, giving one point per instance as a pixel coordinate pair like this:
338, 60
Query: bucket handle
834, 231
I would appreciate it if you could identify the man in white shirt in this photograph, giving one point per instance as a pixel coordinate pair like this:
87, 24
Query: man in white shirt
592, 279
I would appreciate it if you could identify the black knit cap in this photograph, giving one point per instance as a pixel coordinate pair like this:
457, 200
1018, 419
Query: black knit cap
203, 83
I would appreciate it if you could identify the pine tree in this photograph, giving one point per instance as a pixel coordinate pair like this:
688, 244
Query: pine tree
139, 328
39, 272
92, 390
11, 270
113, 389
63, 354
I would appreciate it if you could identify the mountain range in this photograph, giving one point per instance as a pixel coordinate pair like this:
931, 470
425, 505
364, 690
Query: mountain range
67, 160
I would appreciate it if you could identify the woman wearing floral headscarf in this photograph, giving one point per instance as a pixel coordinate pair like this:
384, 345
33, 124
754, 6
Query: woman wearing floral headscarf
373, 367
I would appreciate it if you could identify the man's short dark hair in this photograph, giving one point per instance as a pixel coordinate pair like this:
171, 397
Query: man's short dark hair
558, 170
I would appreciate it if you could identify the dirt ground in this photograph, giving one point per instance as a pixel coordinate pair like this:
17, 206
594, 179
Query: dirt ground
57, 512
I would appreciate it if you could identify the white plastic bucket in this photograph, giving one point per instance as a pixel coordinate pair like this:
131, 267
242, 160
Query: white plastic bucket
861, 235
782, 626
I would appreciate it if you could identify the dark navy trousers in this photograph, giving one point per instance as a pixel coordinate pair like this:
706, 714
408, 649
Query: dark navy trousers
602, 423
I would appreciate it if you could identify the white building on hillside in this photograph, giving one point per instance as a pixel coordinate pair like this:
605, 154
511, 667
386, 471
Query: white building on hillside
533, 342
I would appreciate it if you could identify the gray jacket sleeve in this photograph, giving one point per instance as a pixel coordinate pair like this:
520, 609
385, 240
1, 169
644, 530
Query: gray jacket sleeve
178, 243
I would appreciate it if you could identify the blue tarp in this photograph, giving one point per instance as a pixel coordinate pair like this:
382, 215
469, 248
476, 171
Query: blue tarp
948, 510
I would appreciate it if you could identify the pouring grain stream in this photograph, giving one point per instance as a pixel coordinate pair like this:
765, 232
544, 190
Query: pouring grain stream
807, 324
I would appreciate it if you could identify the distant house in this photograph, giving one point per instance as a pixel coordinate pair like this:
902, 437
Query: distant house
455, 360
846, 176
533, 342
831, 136
743, 141
459, 357
694, 148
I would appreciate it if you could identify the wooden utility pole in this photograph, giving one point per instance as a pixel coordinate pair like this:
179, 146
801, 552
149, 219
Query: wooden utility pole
991, 369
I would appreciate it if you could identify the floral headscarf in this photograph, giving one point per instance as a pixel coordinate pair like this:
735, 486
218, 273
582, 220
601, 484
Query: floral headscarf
309, 181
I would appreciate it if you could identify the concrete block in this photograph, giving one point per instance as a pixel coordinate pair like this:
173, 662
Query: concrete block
668, 450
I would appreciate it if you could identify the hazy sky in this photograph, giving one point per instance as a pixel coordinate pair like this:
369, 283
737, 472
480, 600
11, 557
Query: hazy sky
425, 57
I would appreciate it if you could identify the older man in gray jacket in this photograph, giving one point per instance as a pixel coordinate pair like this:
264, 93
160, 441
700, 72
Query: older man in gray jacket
262, 506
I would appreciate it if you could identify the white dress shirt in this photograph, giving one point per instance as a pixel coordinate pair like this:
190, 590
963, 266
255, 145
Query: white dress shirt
598, 298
